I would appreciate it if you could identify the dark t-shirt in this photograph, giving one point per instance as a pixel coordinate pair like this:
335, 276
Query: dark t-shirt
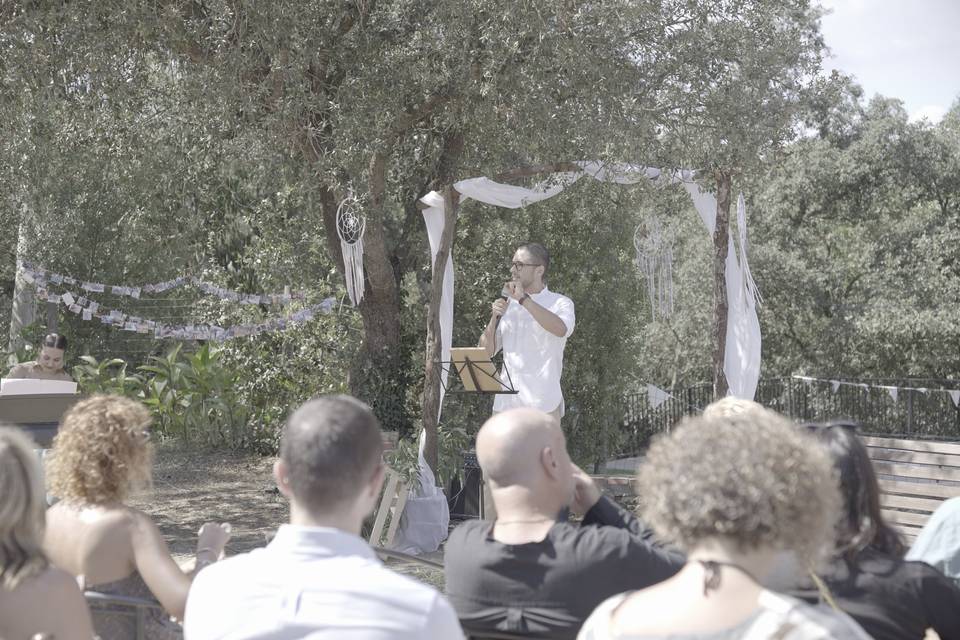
547, 589
892, 599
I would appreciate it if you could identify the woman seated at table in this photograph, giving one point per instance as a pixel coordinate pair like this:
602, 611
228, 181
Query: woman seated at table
35, 598
49, 365
101, 453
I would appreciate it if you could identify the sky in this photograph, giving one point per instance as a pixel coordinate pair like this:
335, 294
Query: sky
906, 49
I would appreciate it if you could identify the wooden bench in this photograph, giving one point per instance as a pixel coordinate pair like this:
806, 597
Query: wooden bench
915, 476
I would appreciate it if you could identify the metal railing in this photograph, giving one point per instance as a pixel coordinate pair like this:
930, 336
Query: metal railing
915, 413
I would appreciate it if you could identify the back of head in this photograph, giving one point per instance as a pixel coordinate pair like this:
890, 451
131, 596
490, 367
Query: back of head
752, 479
102, 451
22, 509
331, 446
56, 341
510, 445
862, 524
731, 407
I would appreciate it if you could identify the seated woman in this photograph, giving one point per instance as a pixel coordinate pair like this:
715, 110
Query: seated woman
939, 541
100, 454
733, 491
868, 578
49, 365
35, 598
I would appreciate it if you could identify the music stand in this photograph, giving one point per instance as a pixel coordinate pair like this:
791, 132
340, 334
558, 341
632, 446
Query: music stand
477, 372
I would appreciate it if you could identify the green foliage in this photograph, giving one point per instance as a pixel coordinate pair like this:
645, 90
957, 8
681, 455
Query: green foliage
451, 443
106, 376
856, 238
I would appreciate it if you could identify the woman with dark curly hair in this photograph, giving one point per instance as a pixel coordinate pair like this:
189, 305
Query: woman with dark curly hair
733, 490
891, 598
101, 453
26, 577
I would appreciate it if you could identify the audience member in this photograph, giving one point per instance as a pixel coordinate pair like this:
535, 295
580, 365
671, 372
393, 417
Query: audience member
531, 571
35, 598
318, 578
732, 491
939, 541
101, 453
891, 598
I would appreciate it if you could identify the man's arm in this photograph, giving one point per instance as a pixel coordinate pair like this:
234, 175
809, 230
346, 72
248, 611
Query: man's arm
624, 530
488, 339
547, 319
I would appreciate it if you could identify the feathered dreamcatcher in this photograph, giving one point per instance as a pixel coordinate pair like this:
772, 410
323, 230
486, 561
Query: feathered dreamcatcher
655, 263
350, 227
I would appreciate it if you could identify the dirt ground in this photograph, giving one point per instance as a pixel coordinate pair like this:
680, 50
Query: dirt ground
195, 485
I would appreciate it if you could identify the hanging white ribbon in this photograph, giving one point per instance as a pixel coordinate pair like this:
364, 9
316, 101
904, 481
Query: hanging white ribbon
656, 396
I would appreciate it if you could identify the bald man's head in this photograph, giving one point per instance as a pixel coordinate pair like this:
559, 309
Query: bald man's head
513, 447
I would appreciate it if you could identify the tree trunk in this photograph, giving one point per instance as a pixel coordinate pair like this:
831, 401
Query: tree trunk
24, 310
721, 244
376, 376
431, 384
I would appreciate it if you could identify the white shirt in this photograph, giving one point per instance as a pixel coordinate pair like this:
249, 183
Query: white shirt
314, 582
532, 355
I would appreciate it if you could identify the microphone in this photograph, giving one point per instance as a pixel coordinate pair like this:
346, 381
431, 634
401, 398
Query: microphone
505, 296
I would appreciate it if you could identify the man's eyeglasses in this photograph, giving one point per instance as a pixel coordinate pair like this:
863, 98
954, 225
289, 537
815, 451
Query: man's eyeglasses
521, 265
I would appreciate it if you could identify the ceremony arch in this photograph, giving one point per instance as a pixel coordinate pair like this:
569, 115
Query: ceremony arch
741, 339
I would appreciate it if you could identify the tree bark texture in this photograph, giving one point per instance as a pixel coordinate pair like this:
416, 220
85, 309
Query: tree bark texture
721, 245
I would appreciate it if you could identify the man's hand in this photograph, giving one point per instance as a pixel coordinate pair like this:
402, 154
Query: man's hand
213, 537
585, 492
515, 289
498, 308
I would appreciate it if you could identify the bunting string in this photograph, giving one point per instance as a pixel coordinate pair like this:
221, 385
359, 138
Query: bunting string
91, 310
892, 390
43, 278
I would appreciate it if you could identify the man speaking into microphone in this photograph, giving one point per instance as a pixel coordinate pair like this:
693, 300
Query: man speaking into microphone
531, 325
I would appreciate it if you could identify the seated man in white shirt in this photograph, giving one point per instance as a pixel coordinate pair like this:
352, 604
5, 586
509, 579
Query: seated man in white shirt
317, 577
531, 326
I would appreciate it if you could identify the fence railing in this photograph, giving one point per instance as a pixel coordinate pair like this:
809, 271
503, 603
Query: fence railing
914, 413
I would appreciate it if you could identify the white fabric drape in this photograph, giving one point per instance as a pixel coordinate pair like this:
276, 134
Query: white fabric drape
742, 362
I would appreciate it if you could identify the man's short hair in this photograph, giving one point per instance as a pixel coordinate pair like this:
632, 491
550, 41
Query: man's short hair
331, 445
539, 253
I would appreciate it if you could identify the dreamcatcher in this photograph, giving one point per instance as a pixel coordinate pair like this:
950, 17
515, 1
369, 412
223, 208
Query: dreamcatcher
350, 227
655, 262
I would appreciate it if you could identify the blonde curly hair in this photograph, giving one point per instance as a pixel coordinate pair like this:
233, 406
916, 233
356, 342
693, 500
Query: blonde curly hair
751, 477
102, 451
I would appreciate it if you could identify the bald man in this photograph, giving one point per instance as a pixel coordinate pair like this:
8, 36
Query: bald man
530, 570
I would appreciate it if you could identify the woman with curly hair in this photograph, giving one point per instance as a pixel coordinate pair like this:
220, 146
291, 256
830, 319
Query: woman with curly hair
26, 578
101, 453
733, 490
891, 598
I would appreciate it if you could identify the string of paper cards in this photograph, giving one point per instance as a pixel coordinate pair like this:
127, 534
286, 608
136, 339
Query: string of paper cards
88, 309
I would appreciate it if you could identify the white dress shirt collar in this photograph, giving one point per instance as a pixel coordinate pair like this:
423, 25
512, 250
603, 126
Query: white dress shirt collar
320, 542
